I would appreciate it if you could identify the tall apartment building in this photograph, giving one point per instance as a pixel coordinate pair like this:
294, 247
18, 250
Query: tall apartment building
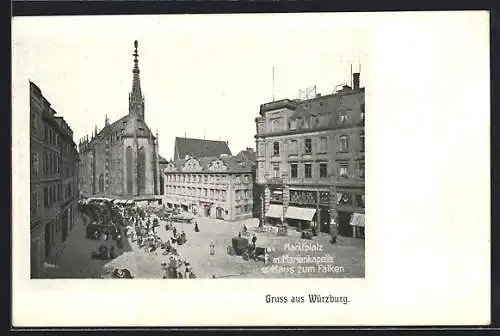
53, 183
311, 160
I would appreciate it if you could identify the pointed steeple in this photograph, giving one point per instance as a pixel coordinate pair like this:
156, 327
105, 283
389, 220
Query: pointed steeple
136, 100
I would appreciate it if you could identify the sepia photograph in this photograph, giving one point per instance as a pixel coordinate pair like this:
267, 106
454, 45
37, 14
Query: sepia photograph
121, 189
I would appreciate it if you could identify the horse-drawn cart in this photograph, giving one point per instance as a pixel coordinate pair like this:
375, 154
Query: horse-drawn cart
241, 247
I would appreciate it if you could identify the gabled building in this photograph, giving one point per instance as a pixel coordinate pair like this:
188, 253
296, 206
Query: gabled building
218, 186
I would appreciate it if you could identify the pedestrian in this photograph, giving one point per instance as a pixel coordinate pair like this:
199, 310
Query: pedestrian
196, 228
266, 256
212, 248
254, 240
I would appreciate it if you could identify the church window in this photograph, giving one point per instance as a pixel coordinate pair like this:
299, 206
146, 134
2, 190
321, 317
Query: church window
141, 170
129, 164
101, 183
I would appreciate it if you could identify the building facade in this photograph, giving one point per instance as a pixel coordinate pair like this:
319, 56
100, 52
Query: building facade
311, 160
248, 158
53, 182
218, 187
121, 160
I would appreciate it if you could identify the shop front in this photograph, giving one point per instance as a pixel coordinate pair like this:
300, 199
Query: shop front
350, 214
358, 225
274, 214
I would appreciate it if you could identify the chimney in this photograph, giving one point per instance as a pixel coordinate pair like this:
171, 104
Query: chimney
355, 80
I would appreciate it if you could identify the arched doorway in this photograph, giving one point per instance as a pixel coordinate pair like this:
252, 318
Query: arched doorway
129, 165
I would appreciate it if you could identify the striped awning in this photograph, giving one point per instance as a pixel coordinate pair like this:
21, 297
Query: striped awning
305, 214
358, 219
275, 211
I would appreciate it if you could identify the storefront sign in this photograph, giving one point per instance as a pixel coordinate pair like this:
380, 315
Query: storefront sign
324, 198
303, 197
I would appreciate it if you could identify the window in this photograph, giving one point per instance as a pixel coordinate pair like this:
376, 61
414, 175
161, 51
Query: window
35, 164
275, 125
293, 147
323, 170
261, 149
322, 145
299, 123
308, 170
306, 122
293, 170
246, 194
362, 112
342, 117
59, 188
33, 120
293, 124
46, 197
276, 148
308, 146
344, 143
34, 202
260, 128
344, 169
361, 169
362, 142
276, 169
206, 191
46, 133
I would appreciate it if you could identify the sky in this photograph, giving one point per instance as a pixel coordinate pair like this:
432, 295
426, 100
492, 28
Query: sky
203, 76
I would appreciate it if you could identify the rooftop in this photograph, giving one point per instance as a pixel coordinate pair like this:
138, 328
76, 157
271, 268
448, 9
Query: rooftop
199, 148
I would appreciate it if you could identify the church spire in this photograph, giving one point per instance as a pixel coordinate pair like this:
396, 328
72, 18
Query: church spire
136, 100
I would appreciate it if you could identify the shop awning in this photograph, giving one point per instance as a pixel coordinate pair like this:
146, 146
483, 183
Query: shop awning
275, 211
358, 219
305, 214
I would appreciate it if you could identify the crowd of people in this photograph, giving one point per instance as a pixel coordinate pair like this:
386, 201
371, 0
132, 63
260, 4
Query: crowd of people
108, 220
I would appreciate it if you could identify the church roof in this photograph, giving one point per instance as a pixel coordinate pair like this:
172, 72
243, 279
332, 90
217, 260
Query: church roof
199, 148
125, 127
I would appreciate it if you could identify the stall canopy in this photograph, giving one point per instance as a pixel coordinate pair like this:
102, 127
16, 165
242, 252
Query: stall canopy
275, 211
358, 219
305, 214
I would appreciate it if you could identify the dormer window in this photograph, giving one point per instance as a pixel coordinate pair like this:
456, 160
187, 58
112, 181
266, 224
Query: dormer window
342, 117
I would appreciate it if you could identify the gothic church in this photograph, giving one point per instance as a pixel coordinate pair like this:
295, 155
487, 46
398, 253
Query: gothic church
121, 160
